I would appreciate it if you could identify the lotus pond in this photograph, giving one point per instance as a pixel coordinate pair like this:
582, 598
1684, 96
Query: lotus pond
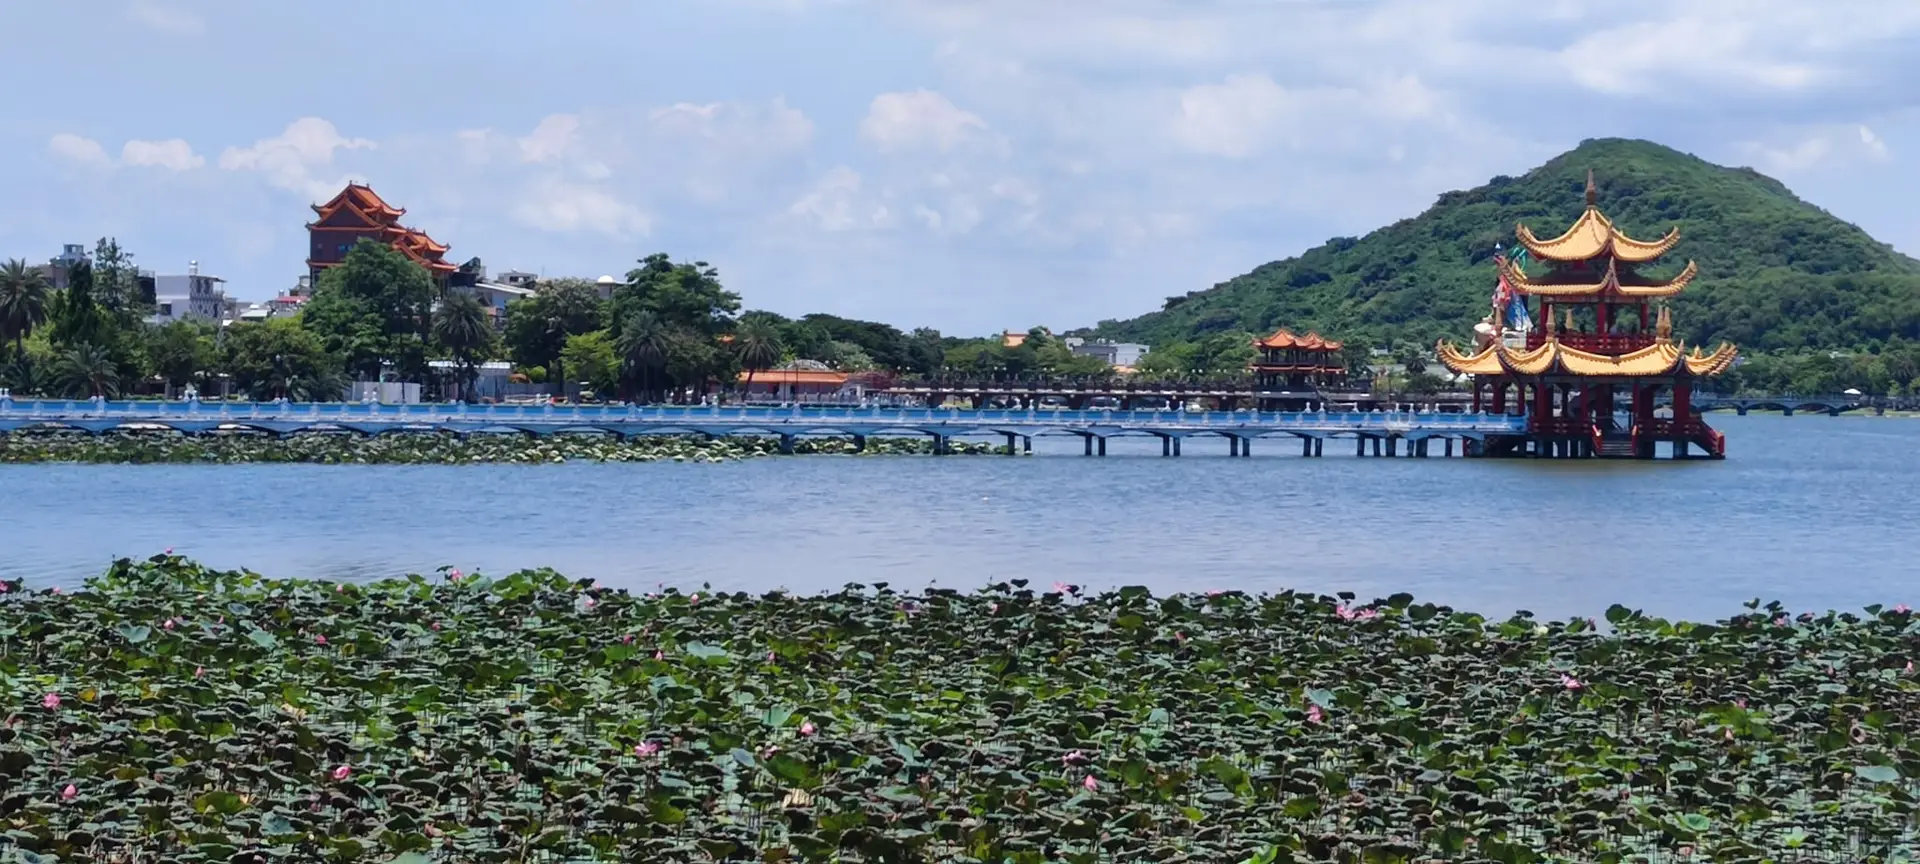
424, 448
167, 712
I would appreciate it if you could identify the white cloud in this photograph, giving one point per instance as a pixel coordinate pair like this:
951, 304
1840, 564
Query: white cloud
1871, 140
290, 159
551, 139
166, 18
1247, 113
173, 154
74, 148
563, 207
921, 119
474, 145
838, 203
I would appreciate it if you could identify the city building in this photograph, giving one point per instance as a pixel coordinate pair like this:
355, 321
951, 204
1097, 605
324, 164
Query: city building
799, 381
1569, 382
356, 214
193, 295
58, 269
495, 296
1120, 355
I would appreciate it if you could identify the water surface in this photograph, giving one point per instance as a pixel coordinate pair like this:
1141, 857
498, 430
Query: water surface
1814, 511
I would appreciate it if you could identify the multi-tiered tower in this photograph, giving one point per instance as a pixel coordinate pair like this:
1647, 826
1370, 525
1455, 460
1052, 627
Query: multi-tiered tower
1610, 351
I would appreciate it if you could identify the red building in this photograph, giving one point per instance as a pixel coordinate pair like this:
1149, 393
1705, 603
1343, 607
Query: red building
1587, 384
358, 214
1296, 364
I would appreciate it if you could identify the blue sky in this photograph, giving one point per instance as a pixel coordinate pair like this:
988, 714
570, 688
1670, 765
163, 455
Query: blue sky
970, 165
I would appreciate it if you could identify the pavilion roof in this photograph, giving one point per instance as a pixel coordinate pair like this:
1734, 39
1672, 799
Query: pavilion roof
1593, 235
1609, 283
1663, 357
1284, 339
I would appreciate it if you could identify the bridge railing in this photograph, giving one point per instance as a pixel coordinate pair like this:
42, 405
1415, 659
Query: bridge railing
429, 414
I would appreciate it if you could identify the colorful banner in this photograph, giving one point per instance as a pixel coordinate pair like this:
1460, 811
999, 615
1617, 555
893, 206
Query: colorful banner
1509, 306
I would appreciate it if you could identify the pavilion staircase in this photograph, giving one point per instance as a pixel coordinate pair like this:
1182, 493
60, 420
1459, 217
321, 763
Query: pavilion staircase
1616, 442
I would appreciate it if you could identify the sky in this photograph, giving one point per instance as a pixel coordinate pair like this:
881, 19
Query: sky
968, 165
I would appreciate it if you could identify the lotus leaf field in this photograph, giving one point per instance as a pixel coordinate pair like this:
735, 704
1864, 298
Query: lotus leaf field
167, 712
424, 448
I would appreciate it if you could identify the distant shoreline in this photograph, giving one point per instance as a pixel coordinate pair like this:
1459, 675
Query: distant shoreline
419, 449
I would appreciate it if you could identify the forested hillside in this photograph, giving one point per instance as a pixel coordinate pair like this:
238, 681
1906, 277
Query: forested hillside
1777, 274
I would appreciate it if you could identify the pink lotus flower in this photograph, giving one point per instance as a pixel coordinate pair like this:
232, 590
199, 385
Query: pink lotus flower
771, 749
1901, 609
1570, 682
69, 793
769, 656
3, 588
659, 655
1062, 588
454, 575
992, 608
645, 748
319, 638
1315, 715
1740, 703
909, 608
1091, 784
1214, 592
167, 624
1343, 612
1180, 636
51, 701
807, 728
590, 602
1909, 667
342, 773
340, 588
694, 599
56, 589
199, 672
436, 626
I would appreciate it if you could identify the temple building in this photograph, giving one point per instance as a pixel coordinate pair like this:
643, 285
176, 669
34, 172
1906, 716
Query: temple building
356, 214
1588, 383
1291, 364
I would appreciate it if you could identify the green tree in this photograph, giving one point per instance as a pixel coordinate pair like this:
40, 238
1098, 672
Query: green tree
374, 289
463, 328
642, 348
757, 345
117, 281
87, 370
280, 358
24, 300
538, 327
181, 351
685, 296
76, 318
693, 360
590, 357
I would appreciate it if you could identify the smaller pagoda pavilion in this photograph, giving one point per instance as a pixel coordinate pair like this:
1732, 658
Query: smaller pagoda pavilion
1588, 385
1292, 364
356, 214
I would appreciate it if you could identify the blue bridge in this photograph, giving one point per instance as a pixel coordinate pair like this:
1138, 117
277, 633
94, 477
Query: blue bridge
1380, 431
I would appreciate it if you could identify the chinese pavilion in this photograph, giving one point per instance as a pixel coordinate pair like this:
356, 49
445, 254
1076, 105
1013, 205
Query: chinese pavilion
1295, 363
1572, 381
356, 214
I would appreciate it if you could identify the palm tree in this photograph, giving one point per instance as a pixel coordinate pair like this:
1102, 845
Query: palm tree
87, 369
462, 326
757, 344
643, 348
24, 297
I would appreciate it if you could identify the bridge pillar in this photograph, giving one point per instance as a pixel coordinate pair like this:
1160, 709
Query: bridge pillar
1089, 443
1246, 447
1026, 443
1422, 448
1446, 447
786, 444
1176, 447
1011, 450
1306, 448
1103, 445
859, 443
1359, 447
939, 445
1166, 445
1786, 411
1319, 446
1233, 446
1393, 446
1740, 410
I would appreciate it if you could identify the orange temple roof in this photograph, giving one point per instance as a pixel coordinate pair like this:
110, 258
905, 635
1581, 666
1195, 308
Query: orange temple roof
1608, 284
1284, 339
362, 198
795, 376
1663, 357
1593, 235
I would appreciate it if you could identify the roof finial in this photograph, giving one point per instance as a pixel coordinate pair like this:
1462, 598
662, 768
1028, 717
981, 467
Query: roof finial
1569, 326
1593, 192
1548, 315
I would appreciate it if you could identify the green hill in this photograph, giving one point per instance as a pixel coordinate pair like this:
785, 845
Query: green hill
1777, 273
